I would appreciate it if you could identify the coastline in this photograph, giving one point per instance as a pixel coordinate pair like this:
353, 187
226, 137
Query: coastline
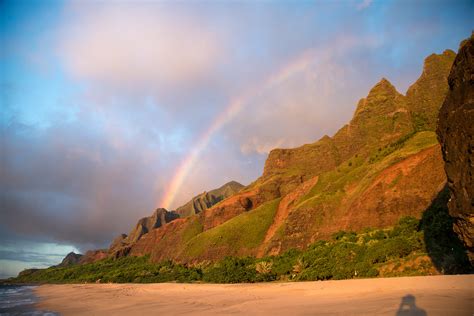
435, 295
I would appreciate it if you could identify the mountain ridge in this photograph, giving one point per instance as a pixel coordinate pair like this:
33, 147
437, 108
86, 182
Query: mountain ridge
309, 192
206, 200
123, 243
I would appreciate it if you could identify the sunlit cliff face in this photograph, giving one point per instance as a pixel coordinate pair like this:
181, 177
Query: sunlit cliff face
111, 110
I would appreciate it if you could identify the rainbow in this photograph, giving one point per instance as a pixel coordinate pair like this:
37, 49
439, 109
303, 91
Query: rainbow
191, 159
230, 111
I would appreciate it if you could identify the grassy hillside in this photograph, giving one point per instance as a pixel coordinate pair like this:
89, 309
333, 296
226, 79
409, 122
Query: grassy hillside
383, 139
329, 206
412, 247
240, 235
374, 190
425, 96
379, 167
360, 171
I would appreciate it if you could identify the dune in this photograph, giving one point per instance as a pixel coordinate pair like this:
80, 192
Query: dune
429, 295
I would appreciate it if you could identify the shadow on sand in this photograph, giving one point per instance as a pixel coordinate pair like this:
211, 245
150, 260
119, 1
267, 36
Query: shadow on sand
442, 244
408, 307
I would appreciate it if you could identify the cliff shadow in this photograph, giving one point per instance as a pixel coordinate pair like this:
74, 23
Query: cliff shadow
448, 253
408, 307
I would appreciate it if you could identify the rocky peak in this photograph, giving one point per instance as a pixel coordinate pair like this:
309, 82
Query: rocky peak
382, 87
365, 128
93, 256
425, 96
432, 63
159, 217
382, 92
206, 200
118, 242
71, 258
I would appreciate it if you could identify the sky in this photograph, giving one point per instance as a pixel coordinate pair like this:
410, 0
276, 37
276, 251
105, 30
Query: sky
110, 109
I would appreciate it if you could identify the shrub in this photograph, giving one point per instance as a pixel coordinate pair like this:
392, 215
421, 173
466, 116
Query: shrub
347, 255
284, 263
405, 226
232, 270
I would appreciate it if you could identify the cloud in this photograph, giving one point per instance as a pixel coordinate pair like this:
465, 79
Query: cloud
75, 187
31, 256
17, 254
364, 4
309, 96
132, 46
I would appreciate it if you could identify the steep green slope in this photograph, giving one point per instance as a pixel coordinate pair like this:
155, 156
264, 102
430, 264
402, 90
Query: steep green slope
368, 174
239, 236
394, 251
379, 167
426, 95
366, 192
361, 172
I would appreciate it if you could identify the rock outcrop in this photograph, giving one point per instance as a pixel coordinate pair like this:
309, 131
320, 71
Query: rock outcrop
71, 259
124, 245
118, 242
456, 135
93, 256
160, 217
27, 272
206, 200
426, 95
379, 119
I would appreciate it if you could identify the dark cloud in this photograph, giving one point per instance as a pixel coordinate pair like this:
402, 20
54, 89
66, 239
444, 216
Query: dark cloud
72, 185
30, 256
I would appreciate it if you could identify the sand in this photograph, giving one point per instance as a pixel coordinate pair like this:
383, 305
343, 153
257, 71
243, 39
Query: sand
430, 295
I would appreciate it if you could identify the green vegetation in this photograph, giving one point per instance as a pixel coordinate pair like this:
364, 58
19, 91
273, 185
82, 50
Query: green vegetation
245, 231
193, 228
359, 172
404, 249
390, 148
427, 94
123, 270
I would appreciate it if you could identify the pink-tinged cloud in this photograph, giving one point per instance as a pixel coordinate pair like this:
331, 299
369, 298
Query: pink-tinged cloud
296, 67
364, 4
128, 46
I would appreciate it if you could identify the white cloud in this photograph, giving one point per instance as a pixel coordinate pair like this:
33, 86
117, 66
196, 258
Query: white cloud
136, 46
364, 4
308, 97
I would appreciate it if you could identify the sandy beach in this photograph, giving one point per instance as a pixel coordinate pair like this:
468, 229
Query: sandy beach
432, 295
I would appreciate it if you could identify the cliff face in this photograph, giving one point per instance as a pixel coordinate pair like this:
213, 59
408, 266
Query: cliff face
93, 256
146, 227
380, 118
382, 165
426, 95
364, 195
456, 135
160, 217
206, 200
122, 244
